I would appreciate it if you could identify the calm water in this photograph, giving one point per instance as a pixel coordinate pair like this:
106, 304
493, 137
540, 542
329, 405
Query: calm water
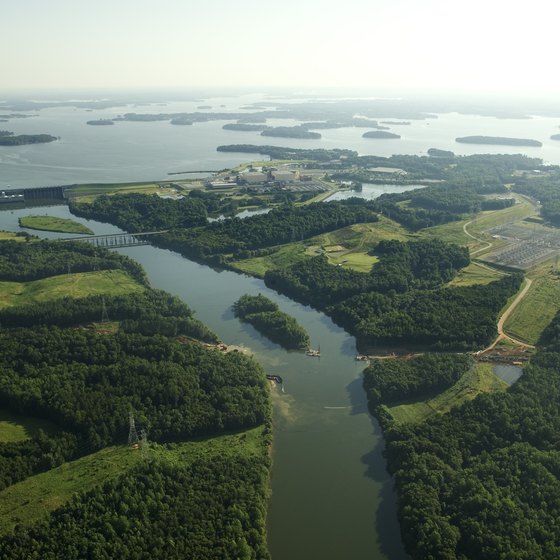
136, 151
331, 495
371, 191
508, 373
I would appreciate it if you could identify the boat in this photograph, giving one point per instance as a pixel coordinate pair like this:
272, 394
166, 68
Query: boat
314, 353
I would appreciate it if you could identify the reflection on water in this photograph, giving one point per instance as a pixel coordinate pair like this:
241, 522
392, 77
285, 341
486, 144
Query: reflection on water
372, 191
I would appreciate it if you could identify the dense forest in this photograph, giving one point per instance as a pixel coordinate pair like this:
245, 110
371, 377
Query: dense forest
135, 212
148, 313
88, 382
22, 262
281, 225
212, 509
544, 189
191, 235
267, 318
390, 381
403, 299
483, 481
85, 380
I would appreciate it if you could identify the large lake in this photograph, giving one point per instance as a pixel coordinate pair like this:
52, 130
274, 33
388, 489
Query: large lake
331, 495
140, 151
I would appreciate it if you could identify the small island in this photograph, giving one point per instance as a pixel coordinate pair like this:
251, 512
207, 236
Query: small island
276, 325
436, 152
245, 127
399, 123
101, 122
52, 223
498, 140
380, 134
555, 137
181, 121
290, 132
8, 139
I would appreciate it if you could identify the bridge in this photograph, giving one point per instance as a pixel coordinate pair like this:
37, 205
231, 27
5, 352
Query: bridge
116, 240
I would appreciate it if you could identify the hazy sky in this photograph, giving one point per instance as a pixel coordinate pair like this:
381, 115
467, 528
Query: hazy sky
488, 45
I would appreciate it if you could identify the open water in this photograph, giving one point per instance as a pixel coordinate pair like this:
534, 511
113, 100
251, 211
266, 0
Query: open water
143, 151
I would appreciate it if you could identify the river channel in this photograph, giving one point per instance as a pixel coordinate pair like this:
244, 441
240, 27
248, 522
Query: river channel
331, 495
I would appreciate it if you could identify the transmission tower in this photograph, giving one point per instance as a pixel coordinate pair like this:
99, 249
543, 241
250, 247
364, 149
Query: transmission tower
132, 433
69, 269
104, 314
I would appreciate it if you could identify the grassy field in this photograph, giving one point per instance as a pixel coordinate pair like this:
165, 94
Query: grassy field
475, 274
479, 379
286, 255
82, 284
354, 244
11, 236
538, 307
88, 192
30, 500
14, 427
51, 223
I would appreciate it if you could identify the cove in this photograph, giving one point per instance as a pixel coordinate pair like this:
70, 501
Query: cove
331, 495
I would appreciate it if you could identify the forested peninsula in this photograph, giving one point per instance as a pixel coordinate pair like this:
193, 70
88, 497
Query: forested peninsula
81, 366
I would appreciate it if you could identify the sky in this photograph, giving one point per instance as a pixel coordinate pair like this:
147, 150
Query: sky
499, 46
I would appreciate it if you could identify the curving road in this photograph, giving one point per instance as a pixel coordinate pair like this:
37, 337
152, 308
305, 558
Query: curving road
506, 314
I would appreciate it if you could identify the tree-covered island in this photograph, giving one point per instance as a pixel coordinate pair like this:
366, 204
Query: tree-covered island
381, 134
8, 138
498, 141
101, 122
267, 318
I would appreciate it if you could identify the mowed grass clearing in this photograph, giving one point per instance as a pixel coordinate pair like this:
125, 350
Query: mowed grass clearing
479, 379
32, 499
475, 273
356, 242
539, 306
79, 285
15, 427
